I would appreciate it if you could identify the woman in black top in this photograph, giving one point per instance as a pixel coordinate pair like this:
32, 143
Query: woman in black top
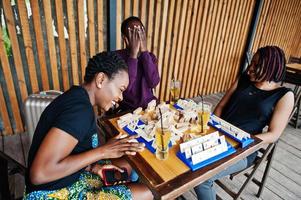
255, 100
65, 160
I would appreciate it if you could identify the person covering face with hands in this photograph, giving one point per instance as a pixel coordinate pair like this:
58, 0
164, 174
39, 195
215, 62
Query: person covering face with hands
143, 69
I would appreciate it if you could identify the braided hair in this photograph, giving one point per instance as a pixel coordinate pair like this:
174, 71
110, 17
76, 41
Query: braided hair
126, 22
271, 65
107, 62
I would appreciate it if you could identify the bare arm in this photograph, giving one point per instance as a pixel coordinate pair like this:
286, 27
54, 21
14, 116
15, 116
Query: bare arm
53, 160
220, 106
279, 119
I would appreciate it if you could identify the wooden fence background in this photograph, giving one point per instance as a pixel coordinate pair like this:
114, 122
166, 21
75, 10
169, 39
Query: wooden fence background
199, 42
45, 44
50, 45
280, 24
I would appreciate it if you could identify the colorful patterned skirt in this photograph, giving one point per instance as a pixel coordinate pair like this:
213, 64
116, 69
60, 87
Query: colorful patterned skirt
89, 186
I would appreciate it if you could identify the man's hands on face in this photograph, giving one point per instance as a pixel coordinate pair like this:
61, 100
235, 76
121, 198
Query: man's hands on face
142, 37
136, 40
133, 41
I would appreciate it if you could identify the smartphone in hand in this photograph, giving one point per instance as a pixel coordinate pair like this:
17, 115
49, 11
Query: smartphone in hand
112, 176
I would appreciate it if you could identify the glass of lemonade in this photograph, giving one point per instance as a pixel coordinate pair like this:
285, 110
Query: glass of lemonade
175, 87
162, 136
204, 116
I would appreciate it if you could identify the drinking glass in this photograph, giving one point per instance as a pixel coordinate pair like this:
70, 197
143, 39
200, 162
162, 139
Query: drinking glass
175, 87
162, 136
204, 116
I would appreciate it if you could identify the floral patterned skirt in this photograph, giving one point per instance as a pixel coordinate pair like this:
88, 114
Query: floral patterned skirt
89, 186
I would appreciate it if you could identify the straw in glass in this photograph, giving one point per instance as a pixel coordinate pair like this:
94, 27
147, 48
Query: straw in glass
173, 82
161, 130
202, 113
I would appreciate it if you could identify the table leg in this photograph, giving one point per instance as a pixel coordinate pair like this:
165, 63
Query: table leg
298, 114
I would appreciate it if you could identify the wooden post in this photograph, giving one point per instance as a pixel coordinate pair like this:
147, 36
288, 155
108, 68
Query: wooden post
111, 25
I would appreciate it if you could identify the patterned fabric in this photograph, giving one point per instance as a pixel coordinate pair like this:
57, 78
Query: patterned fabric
89, 186
94, 140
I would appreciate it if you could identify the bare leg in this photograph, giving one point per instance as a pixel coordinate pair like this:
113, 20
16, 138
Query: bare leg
140, 191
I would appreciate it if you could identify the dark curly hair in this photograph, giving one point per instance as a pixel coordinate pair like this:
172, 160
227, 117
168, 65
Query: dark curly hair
125, 24
107, 62
271, 65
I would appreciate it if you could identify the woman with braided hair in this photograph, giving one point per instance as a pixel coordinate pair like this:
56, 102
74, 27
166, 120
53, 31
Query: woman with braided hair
255, 100
65, 160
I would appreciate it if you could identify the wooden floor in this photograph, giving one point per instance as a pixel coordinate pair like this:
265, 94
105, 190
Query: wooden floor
284, 181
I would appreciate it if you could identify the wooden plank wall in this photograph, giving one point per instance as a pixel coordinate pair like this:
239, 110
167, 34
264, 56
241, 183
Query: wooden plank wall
198, 42
50, 46
280, 24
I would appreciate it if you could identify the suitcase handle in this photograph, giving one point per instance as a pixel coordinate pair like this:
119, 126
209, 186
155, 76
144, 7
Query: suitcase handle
51, 92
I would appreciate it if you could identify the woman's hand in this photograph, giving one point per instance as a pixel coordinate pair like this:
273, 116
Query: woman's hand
97, 169
142, 37
133, 41
117, 147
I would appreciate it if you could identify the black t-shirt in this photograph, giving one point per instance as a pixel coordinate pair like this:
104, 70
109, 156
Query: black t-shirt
251, 108
73, 113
